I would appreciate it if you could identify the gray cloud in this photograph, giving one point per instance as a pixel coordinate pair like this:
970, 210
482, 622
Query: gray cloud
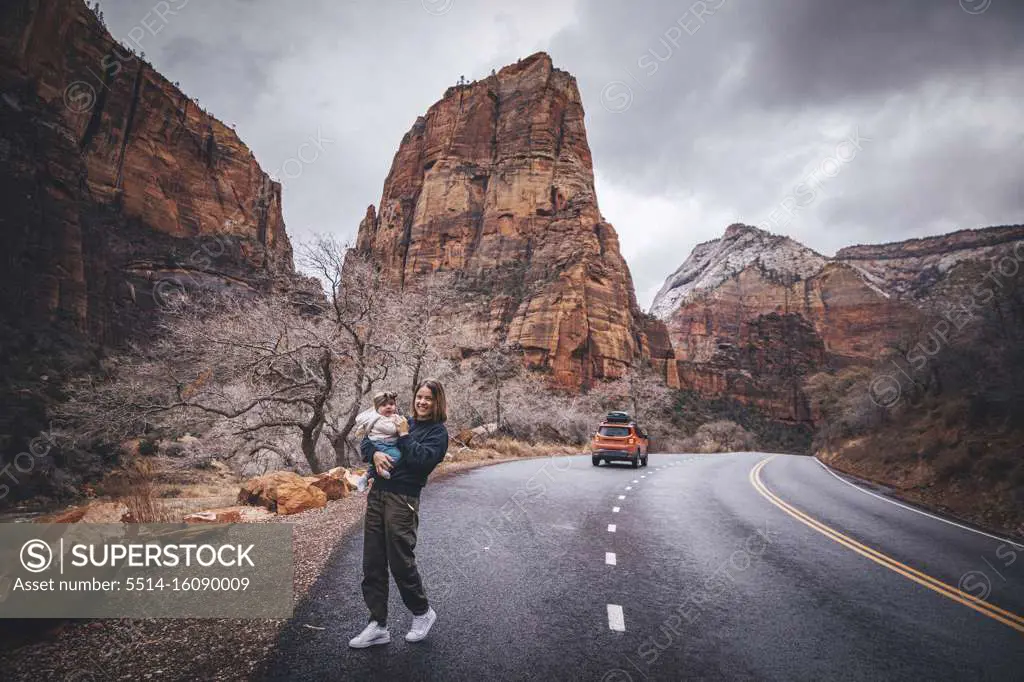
727, 112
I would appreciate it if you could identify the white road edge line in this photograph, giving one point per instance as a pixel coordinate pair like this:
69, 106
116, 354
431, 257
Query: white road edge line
616, 621
909, 508
609, 558
615, 510
611, 527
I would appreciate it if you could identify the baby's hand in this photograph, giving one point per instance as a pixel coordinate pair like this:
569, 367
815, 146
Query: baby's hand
403, 425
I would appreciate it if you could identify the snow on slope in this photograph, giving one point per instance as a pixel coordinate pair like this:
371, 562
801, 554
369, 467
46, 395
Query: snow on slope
713, 262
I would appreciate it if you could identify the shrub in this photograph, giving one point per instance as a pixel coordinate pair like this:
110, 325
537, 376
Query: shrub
720, 436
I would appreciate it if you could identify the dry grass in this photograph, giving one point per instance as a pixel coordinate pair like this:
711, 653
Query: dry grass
161, 490
932, 457
135, 487
509, 448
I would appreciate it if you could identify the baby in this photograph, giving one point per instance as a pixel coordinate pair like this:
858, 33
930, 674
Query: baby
380, 426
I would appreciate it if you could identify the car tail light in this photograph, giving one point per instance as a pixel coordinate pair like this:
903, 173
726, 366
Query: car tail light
631, 441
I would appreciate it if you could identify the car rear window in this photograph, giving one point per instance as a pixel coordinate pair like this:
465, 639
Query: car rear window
615, 431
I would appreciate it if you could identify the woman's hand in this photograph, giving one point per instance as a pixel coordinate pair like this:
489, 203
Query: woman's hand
382, 461
403, 425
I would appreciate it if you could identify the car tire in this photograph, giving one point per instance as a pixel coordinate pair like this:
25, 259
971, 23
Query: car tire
645, 460
636, 461
596, 461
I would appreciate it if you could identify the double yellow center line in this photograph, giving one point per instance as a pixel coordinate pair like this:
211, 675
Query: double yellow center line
992, 611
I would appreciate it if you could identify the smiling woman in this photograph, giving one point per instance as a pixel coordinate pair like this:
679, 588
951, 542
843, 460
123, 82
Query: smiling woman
392, 517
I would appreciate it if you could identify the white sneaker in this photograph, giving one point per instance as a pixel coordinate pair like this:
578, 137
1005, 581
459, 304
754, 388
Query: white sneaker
373, 634
421, 626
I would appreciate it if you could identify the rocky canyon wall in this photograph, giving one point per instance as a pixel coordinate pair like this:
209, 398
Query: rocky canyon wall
752, 315
118, 192
495, 185
114, 180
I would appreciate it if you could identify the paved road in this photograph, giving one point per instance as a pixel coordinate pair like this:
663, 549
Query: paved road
724, 568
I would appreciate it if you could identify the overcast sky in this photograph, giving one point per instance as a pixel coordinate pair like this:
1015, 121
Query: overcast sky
832, 121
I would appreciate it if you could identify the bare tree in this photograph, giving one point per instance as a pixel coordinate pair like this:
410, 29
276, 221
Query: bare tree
248, 368
254, 372
496, 366
642, 390
365, 315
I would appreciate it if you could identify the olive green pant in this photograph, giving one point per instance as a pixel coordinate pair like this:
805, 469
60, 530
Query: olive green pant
389, 538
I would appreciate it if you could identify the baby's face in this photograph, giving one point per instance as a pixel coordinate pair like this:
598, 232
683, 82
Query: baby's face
387, 409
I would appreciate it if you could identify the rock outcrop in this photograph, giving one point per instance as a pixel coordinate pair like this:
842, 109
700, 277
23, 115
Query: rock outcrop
114, 181
118, 192
495, 184
752, 315
284, 492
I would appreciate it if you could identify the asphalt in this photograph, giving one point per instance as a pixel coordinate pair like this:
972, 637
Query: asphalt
713, 580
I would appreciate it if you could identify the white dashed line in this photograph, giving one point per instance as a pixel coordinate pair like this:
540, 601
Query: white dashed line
609, 558
635, 481
629, 487
615, 510
616, 621
643, 477
611, 527
622, 497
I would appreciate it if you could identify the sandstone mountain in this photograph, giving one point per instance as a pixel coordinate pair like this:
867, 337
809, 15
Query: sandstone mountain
496, 185
114, 178
117, 191
751, 315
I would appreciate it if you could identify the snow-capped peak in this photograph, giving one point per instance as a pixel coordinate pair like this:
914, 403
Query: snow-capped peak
713, 262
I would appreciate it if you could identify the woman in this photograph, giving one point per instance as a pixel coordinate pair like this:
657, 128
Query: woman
392, 517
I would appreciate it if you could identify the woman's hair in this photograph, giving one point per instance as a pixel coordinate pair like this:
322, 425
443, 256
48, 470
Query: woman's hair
440, 412
383, 398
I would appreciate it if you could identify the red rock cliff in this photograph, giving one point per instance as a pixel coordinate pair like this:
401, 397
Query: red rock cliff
496, 184
752, 315
116, 192
117, 188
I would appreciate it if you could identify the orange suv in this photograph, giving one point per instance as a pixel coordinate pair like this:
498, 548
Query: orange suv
619, 439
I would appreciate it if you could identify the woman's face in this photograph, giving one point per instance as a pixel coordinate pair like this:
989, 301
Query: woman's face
424, 405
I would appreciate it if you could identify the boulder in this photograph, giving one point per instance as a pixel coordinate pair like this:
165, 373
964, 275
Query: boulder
282, 491
332, 482
464, 438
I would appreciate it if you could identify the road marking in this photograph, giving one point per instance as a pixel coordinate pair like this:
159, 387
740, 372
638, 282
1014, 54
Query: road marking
629, 487
918, 511
615, 510
643, 477
609, 558
616, 621
622, 497
635, 481
611, 527
934, 584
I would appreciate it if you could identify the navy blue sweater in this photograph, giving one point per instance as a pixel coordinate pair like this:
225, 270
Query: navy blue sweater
422, 449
